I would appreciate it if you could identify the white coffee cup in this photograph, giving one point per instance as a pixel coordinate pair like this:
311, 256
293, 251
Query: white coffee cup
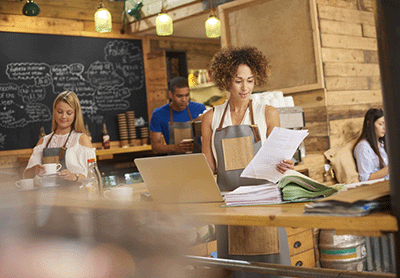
25, 184
119, 193
52, 168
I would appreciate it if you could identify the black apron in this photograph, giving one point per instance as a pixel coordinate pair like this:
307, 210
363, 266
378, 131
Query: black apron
182, 130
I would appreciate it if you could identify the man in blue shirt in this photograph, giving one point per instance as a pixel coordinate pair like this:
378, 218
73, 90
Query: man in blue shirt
174, 120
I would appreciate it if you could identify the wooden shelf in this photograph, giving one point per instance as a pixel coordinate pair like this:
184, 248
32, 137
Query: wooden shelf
101, 153
109, 153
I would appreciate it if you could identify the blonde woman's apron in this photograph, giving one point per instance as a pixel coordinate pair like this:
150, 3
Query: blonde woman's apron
56, 155
235, 146
182, 130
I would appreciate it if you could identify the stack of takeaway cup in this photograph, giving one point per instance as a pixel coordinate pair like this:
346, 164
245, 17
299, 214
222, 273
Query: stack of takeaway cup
144, 135
123, 130
130, 118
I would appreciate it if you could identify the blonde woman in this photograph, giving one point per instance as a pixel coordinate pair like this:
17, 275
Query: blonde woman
67, 144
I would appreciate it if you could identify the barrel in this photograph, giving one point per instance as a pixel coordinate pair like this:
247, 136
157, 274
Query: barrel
344, 252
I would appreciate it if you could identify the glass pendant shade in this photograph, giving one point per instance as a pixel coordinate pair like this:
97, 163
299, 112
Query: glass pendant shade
30, 8
164, 25
213, 27
102, 20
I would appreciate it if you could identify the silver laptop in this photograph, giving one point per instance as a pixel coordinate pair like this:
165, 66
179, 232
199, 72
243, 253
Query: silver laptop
178, 179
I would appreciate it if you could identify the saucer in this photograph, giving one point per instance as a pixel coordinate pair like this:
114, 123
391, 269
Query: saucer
50, 175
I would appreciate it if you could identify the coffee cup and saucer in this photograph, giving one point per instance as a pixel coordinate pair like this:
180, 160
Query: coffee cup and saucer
25, 184
52, 169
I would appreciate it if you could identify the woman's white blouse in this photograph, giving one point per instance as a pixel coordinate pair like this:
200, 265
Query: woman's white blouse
76, 156
367, 160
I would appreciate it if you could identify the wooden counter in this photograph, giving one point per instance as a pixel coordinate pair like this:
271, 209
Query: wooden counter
283, 215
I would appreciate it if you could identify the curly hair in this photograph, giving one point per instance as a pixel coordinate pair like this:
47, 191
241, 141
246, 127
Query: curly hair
225, 63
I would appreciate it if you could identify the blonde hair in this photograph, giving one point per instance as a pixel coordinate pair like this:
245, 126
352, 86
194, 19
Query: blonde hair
72, 100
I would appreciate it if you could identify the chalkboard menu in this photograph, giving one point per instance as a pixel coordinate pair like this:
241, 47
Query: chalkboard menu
106, 74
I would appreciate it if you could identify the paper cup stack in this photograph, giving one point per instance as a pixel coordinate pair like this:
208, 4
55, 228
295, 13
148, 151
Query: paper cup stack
123, 130
130, 118
144, 135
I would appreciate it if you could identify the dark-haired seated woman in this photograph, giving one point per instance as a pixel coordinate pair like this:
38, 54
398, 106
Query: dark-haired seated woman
370, 149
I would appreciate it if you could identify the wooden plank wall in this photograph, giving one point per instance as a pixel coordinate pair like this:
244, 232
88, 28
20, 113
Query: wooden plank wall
351, 76
351, 66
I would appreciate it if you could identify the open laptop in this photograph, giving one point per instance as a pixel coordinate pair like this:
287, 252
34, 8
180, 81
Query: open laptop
178, 179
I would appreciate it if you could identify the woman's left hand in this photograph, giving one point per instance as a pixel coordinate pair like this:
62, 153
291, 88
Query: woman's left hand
67, 175
285, 165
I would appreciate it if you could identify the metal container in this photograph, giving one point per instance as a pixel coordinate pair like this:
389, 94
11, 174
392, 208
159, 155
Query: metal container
345, 252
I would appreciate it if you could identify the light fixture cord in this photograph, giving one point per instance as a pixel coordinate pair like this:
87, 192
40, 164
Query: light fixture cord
212, 10
162, 7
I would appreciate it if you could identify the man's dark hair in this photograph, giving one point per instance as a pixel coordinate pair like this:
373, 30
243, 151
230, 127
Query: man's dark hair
178, 82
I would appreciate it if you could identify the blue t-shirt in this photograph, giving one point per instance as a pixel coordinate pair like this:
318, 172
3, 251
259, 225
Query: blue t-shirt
161, 117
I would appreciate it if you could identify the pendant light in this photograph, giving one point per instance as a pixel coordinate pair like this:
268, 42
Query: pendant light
213, 24
164, 24
102, 19
30, 8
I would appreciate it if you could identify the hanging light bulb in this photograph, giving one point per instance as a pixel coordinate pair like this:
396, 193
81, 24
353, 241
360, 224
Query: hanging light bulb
213, 25
164, 24
102, 19
30, 8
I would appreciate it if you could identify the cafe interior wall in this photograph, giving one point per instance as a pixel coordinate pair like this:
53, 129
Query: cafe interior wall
348, 52
351, 76
76, 17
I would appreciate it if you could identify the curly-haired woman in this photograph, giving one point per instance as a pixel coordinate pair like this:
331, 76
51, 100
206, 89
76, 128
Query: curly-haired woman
236, 130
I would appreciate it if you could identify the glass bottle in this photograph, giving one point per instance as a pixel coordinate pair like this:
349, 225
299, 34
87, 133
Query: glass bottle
105, 137
93, 182
41, 132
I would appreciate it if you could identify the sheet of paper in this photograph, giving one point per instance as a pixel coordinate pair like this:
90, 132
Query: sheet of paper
281, 144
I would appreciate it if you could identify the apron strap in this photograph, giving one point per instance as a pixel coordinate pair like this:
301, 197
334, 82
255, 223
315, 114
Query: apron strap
253, 126
63, 148
171, 117
223, 117
48, 142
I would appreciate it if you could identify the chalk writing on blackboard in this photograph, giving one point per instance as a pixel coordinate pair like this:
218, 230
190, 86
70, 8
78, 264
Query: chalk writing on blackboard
103, 86
2, 140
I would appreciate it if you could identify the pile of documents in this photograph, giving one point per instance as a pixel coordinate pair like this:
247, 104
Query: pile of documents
254, 195
359, 201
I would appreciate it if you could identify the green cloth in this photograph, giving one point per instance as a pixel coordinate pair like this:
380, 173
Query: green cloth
296, 186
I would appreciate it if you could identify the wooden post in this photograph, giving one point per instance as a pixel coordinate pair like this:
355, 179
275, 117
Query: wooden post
388, 26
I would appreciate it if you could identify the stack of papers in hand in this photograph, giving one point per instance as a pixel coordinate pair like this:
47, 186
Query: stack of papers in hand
254, 195
281, 144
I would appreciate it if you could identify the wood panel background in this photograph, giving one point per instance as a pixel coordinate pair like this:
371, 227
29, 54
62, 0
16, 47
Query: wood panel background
287, 34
